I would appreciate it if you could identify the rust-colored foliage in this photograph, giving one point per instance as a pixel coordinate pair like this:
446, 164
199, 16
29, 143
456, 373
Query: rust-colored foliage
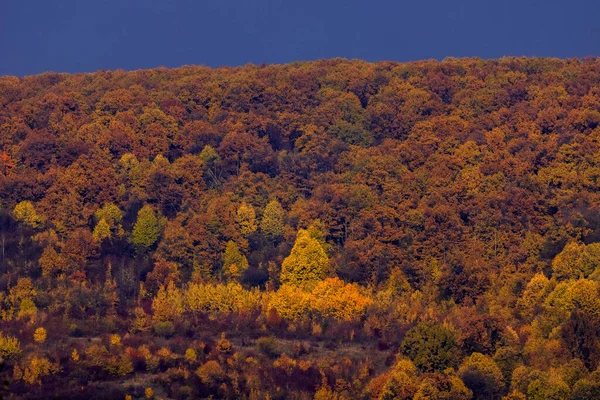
330, 219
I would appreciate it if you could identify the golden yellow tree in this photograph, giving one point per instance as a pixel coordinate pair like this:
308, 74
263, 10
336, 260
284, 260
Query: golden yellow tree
168, 303
39, 335
9, 346
332, 298
290, 302
246, 219
25, 212
481, 374
568, 264
101, 231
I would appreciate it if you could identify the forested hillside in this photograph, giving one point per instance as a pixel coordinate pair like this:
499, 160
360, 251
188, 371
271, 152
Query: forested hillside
332, 230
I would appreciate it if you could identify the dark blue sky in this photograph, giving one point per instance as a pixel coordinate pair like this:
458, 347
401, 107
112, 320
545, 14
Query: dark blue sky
88, 35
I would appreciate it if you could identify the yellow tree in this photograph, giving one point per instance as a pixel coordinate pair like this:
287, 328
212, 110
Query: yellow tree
307, 262
112, 216
101, 231
39, 335
51, 261
9, 346
246, 219
402, 381
25, 213
576, 261
332, 298
168, 303
290, 302
234, 262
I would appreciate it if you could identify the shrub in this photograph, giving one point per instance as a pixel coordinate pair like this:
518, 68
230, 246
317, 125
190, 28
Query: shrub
268, 346
164, 328
39, 335
210, 373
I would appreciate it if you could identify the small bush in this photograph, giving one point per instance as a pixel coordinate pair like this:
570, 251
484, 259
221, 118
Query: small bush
267, 346
164, 328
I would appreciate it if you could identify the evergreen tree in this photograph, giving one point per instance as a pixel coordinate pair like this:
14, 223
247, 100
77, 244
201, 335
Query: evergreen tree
431, 347
272, 220
307, 262
146, 229
234, 262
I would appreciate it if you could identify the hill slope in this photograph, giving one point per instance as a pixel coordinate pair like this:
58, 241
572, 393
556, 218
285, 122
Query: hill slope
333, 201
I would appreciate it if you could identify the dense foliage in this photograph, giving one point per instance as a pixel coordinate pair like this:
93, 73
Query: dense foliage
331, 230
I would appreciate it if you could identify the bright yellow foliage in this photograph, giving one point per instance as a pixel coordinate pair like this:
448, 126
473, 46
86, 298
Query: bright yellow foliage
291, 303
25, 212
39, 335
190, 355
576, 261
9, 346
101, 231
115, 340
581, 294
332, 298
272, 220
401, 382
234, 262
168, 303
148, 393
38, 368
51, 262
210, 373
285, 363
482, 365
221, 299
246, 219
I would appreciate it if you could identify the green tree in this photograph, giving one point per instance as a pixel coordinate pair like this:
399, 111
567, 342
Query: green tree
587, 388
211, 165
550, 386
481, 374
147, 228
272, 220
569, 263
535, 291
307, 262
234, 262
402, 381
112, 216
431, 347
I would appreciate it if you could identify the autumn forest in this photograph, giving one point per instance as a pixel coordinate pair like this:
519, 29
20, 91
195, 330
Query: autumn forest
327, 230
